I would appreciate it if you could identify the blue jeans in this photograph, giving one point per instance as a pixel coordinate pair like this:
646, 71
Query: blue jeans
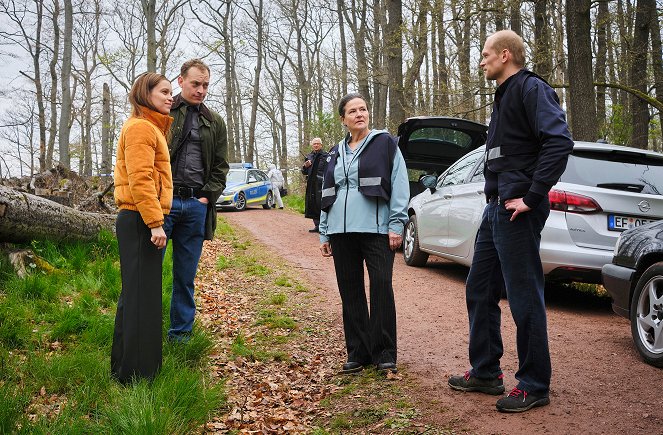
509, 252
185, 227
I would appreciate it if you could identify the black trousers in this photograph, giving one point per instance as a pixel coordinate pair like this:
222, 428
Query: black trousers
369, 337
137, 336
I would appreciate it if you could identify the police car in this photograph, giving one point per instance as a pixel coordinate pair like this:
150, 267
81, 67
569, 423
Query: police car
245, 185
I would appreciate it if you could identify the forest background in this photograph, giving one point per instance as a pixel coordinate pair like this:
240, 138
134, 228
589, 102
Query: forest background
279, 67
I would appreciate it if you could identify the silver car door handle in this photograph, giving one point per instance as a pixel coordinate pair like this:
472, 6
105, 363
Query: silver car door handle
447, 196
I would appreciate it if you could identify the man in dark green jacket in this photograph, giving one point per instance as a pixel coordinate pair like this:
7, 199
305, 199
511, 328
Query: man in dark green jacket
198, 152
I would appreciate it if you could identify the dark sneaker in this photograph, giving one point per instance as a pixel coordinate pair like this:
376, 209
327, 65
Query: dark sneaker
519, 401
471, 383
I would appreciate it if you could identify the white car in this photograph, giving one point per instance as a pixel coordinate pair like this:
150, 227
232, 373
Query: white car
604, 190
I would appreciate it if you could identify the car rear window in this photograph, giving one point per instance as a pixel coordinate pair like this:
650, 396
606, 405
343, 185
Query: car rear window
616, 170
437, 134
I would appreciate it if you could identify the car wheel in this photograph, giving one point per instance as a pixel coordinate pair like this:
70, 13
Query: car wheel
647, 315
240, 204
411, 253
269, 202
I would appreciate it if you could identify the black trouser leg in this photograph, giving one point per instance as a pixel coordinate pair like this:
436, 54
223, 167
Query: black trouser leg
136, 350
349, 266
380, 264
369, 338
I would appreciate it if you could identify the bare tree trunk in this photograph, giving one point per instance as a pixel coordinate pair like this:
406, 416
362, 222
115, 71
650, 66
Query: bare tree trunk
443, 71
344, 47
516, 17
624, 42
38, 87
106, 146
256, 79
65, 112
359, 31
149, 10
380, 80
638, 77
420, 48
394, 51
483, 84
657, 62
582, 97
25, 217
602, 23
52, 129
543, 64
500, 15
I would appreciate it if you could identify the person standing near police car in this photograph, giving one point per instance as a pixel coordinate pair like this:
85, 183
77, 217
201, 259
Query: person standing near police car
276, 177
526, 152
314, 168
198, 153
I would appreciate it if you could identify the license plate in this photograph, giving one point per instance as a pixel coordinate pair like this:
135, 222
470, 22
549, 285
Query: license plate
621, 223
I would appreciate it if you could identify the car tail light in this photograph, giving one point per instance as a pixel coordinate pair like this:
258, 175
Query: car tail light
572, 202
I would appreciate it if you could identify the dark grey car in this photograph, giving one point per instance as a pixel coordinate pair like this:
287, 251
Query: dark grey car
634, 279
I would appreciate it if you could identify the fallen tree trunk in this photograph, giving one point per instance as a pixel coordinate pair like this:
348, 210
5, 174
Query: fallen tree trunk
25, 217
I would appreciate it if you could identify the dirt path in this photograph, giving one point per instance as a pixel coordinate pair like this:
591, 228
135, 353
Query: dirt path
599, 383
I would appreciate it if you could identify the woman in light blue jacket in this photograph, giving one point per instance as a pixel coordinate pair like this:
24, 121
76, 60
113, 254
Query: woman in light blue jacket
364, 208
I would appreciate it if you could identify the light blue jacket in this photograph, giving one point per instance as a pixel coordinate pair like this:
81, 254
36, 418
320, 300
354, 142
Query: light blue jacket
355, 213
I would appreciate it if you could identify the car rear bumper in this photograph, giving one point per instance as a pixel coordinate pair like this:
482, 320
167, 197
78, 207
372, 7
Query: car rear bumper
564, 260
617, 280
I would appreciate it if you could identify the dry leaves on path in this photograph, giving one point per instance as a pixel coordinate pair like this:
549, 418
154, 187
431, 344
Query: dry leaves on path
279, 347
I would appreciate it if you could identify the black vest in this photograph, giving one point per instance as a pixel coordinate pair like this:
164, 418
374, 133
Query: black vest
511, 143
375, 166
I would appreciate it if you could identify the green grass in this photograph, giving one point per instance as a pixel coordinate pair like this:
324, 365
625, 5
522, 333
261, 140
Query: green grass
56, 332
295, 202
277, 299
256, 351
283, 281
272, 319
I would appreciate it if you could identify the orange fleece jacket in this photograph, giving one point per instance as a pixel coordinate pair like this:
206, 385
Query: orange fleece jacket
143, 181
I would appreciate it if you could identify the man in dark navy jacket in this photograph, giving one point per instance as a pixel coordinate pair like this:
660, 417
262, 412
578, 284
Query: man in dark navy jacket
526, 152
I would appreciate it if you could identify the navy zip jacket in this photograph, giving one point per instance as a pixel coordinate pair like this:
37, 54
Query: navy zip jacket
528, 140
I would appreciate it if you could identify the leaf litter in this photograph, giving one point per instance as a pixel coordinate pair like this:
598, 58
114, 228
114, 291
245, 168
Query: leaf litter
285, 380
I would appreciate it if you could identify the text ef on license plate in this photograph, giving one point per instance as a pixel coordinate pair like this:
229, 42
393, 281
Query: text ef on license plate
621, 223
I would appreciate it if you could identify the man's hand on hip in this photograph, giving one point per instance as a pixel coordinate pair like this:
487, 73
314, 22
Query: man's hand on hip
517, 205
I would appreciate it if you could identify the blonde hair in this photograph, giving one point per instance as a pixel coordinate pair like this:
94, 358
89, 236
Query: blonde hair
511, 41
139, 96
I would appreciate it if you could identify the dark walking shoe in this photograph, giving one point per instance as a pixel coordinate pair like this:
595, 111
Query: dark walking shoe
351, 367
314, 230
519, 401
471, 383
387, 367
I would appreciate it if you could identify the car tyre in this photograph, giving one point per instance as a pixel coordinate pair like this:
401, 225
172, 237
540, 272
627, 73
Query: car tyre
240, 204
412, 254
647, 315
269, 201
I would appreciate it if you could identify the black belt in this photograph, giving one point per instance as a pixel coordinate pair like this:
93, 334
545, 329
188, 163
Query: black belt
186, 192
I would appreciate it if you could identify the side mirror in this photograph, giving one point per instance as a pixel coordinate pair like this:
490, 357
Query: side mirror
429, 182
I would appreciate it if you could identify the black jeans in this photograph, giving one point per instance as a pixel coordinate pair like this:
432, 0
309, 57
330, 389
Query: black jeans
509, 251
369, 338
137, 340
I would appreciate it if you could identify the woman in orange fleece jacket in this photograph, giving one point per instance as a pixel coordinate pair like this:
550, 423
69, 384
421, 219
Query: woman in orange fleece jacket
143, 193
